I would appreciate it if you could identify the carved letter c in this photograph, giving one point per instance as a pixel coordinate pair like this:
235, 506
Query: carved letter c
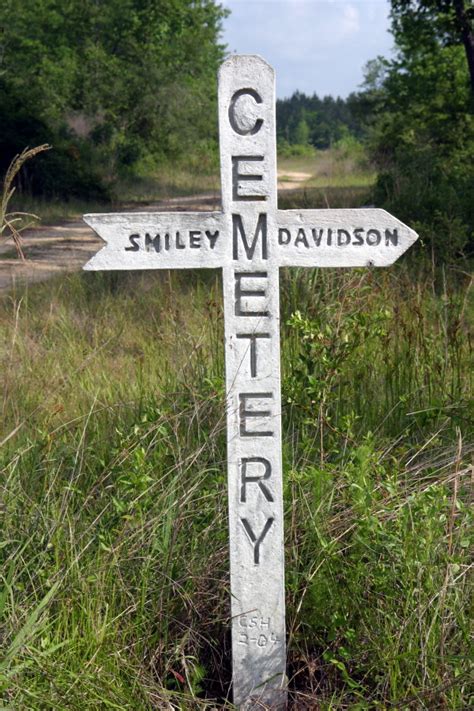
232, 118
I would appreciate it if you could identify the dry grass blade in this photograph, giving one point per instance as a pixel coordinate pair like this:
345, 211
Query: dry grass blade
10, 220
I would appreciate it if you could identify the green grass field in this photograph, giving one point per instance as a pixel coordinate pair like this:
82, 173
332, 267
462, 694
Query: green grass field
114, 588
330, 169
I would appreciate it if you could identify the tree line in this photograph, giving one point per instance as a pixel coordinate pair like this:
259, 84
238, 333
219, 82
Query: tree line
415, 114
320, 122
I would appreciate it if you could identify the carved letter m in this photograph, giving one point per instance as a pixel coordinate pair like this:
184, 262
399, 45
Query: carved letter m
239, 230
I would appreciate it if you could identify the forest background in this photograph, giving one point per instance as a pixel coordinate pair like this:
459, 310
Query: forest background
114, 576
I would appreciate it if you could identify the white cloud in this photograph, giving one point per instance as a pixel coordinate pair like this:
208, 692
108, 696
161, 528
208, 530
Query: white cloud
350, 20
315, 45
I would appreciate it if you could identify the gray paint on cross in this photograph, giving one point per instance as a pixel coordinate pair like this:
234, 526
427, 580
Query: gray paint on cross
250, 239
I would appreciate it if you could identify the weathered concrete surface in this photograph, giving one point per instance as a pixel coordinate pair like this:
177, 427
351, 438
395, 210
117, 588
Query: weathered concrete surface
241, 239
247, 136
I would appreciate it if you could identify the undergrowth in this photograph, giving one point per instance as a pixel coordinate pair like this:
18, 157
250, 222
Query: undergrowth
114, 568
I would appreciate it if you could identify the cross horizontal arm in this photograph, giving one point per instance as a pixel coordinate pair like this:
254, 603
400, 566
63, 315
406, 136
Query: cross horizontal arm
340, 238
159, 240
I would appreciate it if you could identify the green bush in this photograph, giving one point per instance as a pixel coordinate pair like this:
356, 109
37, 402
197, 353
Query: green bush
295, 150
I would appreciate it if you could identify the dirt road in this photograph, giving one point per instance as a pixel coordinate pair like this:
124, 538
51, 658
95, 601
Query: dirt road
66, 247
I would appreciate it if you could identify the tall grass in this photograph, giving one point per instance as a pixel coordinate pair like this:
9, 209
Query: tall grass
114, 576
13, 223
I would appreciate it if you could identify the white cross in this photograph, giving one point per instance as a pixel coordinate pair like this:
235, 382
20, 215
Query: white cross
249, 240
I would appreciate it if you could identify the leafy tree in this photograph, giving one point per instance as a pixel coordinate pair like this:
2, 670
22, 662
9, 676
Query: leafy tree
302, 132
66, 172
423, 23
423, 134
122, 79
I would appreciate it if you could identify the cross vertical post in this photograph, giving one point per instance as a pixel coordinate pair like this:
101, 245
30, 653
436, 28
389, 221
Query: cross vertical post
252, 356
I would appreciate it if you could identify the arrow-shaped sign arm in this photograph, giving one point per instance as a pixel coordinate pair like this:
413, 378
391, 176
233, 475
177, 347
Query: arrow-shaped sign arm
160, 240
341, 238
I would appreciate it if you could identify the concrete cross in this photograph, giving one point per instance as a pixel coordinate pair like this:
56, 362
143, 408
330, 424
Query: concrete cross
249, 240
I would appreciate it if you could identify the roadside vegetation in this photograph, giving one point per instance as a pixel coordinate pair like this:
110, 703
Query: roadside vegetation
114, 573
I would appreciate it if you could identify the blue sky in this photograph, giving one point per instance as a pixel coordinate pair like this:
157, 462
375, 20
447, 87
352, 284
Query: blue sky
315, 45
